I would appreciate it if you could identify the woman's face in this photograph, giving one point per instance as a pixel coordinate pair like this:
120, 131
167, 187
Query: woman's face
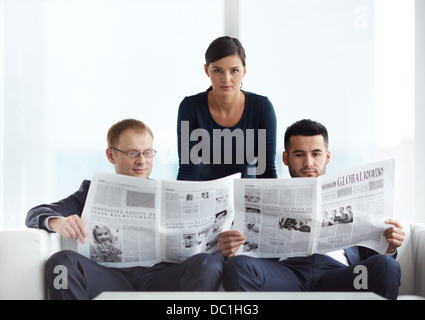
102, 235
226, 74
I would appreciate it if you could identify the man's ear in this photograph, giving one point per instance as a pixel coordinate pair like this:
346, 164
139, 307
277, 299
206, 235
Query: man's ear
285, 157
328, 157
110, 156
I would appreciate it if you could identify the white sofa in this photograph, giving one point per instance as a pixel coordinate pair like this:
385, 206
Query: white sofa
23, 254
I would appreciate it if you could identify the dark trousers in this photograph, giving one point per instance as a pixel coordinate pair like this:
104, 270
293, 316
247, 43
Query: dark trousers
313, 273
85, 279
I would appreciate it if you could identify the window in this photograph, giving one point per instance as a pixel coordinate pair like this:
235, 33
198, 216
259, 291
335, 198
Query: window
347, 64
70, 69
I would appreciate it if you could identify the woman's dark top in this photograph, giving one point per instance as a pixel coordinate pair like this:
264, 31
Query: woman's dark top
249, 147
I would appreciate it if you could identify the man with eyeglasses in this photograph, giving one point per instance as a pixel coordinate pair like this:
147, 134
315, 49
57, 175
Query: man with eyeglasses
130, 150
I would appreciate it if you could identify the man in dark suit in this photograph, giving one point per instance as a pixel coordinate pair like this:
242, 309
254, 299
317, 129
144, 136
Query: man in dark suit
130, 150
306, 155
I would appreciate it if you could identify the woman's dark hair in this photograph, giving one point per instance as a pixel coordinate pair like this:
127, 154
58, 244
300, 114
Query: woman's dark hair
223, 47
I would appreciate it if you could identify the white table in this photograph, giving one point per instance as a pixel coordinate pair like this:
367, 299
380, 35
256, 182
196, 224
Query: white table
223, 295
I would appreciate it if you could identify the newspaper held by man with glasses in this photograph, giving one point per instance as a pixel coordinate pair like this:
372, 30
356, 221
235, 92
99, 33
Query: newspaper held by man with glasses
139, 222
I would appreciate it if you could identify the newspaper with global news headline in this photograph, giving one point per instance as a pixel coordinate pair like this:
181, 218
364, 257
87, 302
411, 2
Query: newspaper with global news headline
283, 218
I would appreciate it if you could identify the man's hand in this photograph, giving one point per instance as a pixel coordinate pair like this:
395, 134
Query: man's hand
394, 235
71, 227
230, 241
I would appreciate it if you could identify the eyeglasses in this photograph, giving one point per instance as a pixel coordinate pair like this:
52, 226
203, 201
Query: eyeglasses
136, 154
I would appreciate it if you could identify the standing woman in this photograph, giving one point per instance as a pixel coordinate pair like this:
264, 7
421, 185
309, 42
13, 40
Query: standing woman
226, 130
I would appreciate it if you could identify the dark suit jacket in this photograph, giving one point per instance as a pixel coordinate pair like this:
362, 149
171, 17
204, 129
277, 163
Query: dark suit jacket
69, 206
357, 254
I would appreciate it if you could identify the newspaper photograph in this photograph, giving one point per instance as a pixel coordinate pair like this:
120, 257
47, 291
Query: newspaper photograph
141, 222
283, 218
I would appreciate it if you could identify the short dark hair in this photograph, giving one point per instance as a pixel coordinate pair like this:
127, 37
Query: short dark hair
305, 127
223, 47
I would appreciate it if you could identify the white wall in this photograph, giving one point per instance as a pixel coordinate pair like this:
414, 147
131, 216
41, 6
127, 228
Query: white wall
73, 68
69, 69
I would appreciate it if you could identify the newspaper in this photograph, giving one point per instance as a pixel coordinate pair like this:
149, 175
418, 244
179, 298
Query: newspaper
282, 218
140, 222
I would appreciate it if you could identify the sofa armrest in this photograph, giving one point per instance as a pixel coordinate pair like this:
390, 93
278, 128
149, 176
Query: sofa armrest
23, 254
418, 249
405, 259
